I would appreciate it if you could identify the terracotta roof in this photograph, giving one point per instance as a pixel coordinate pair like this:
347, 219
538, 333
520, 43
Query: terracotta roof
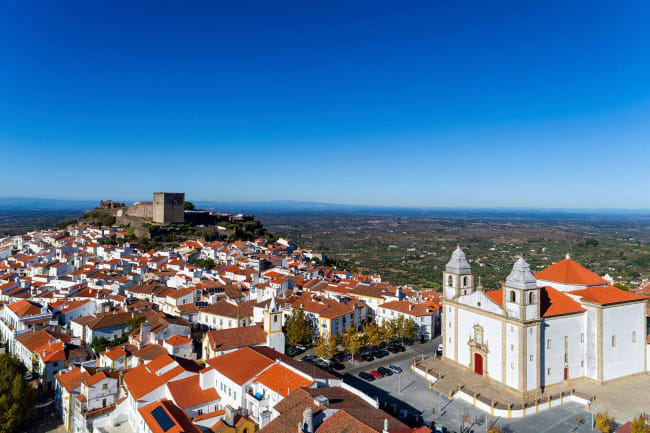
150, 351
187, 392
25, 308
235, 338
308, 368
292, 407
241, 365
144, 378
568, 271
178, 340
555, 303
228, 309
607, 295
496, 296
72, 379
342, 421
279, 378
181, 422
410, 308
33, 340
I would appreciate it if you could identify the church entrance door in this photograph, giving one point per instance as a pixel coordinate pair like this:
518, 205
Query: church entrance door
478, 364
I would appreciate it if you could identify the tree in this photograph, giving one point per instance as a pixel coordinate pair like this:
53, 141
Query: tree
332, 346
373, 336
135, 322
321, 349
298, 329
604, 424
326, 347
408, 329
206, 263
352, 341
387, 331
188, 205
640, 425
16, 396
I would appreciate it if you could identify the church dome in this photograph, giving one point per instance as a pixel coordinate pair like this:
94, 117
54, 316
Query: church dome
458, 263
520, 277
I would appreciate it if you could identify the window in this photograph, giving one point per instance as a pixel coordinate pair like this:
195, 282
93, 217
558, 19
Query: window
582, 363
464, 281
582, 338
566, 340
513, 296
275, 318
531, 298
548, 343
633, 336
512, 366
530, 358
105, 386
450, 281
512, 347
548, 371
450, 324
613, 340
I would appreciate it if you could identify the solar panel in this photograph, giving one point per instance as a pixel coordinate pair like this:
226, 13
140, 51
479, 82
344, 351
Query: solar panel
163, 420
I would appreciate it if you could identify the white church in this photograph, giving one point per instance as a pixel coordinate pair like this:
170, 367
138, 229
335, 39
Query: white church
565, 322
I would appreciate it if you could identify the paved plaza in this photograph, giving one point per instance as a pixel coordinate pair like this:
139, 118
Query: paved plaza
623, 399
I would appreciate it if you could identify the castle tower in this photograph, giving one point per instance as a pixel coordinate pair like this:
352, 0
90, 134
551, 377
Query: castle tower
273, 326
457, 277
520, 293
168, 207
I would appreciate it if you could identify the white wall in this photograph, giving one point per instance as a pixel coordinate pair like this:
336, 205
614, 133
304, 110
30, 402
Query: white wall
556, 329
627, 356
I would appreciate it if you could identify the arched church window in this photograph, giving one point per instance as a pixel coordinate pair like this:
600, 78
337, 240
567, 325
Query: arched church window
464, 281
531, 298
450, 281
513, 297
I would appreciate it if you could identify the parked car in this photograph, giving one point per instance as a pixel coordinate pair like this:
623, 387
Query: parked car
356, 357
323, 363
294, 350
367, 357
384, 371
309, 358
376, 374
439, 351
395, 369
337, 365
438, 428
366, 376
380, 353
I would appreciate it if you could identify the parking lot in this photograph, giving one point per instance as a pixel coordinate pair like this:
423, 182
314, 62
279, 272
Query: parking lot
410, 392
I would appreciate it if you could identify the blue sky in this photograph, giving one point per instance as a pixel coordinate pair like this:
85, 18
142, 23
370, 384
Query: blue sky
418, 103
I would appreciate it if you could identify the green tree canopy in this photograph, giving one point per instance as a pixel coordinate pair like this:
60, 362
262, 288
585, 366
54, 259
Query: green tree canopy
188, 205
205, 263
16, 396
135, 322
298, 330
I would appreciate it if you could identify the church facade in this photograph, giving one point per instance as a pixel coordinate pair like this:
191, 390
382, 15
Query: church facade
563, 323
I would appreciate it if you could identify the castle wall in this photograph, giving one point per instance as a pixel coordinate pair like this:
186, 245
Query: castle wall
168, 207
140, 210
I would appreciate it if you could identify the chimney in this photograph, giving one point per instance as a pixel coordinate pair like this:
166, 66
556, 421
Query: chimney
308, 420
229, 417
145, 332
410, 307
385, 425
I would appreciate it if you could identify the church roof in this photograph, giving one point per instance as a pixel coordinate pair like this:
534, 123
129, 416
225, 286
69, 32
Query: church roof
520, 277
568, 271
607, 295
458, 263
555, 303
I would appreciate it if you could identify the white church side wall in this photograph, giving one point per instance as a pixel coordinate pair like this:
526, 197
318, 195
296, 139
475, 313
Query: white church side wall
492, 338
564, 334
623, 341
